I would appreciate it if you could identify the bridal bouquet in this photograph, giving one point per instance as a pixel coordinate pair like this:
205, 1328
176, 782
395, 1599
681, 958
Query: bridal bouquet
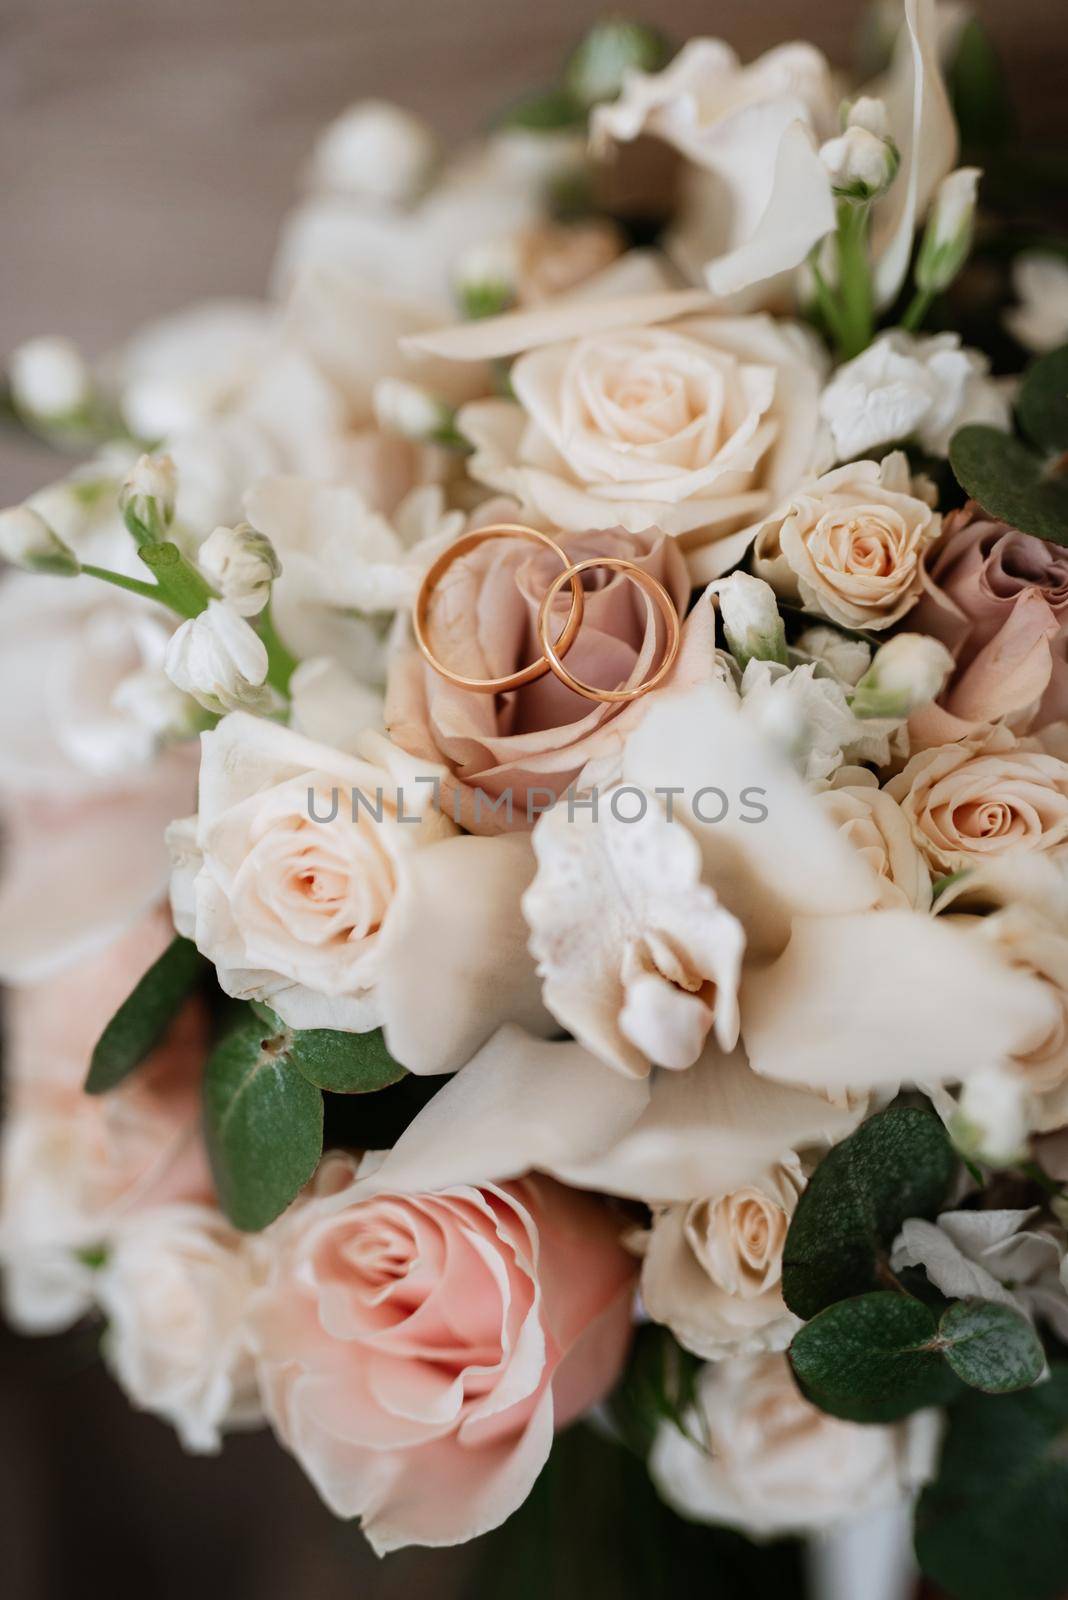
536, 815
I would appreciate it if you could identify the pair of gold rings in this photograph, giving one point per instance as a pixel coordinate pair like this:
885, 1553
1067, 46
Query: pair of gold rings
553, 650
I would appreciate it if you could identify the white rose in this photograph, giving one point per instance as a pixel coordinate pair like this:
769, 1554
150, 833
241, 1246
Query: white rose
242, 565
904, 387
1040, 321
377, 151
694, 426
175, 1289
49, 378
774, 1463
850, 544
713, 1267
220, 660
874, 825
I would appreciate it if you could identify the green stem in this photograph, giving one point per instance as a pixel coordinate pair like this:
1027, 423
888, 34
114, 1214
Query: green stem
281, 664
181, 585
916, 312
854, 279
150, 591
825, 299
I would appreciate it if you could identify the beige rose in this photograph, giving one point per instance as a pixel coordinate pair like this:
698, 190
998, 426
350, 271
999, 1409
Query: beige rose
850, 545
873, 822
984, 797
713, 1267
774, 1463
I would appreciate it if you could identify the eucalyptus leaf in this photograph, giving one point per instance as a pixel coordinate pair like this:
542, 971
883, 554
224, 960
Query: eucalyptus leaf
991, 1346
1042, 404
345, 1063
263, 1123
994, 1524
874, 1358
144, 1016
1010, 481
897, 1165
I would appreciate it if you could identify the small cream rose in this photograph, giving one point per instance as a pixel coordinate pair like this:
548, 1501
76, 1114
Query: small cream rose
983, 797
876, 827
850, 545
713, 1267
775, 1464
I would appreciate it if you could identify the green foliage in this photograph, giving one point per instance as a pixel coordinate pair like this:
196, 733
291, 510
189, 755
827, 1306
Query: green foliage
898, 1164
1024, 483
994, 1524
990, 1346
144, 1016
979, 89
344, 1063
657, 1386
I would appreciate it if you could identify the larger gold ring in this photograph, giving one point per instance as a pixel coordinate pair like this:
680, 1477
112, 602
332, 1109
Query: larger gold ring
655, 592
536, 669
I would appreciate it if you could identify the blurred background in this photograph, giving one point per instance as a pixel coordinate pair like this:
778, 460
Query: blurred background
148, 149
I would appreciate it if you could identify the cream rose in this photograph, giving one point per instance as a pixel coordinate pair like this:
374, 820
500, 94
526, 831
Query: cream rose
417, 1350
692, 428
983, 797
713, 1267
875, 825
774, 1463
850, 545
176, 1290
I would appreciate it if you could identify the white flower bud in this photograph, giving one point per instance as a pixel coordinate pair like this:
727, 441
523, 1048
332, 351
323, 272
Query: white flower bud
242, 565
405, 408
485, 278
870, 113
221, 661
156, 704
27, 541
49, 379
907, 672
376, 150
861, 164
950, 228
751, 620
991, 1123
845, 658
147, 498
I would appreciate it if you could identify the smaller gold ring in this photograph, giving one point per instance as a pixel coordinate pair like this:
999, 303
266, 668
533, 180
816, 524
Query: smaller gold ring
536, 669
654, 590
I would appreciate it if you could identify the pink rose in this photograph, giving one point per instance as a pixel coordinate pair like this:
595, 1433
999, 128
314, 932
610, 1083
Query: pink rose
417, 1351
999, 599
535, 743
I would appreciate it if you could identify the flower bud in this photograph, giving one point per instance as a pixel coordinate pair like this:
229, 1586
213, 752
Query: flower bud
27, 541
485, 279
907, 672
376, 150
751, 621
612, 48
221, 661
991, 1123
241, 564
147, 498
50, 381
405, 408
947, 239
844, 657
863, 160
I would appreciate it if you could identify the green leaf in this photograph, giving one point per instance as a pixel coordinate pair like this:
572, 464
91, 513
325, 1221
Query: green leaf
345, 1063
263, 1123
657, 1386
1010, 481
598, 66
546, 112
979, 89
872, 1359
898, 1164
994, 1524
991, 1346
144, 1016
1042, 404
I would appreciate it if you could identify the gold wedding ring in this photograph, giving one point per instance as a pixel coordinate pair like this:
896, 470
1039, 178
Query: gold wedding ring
654, 591
461, 547
553, 650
